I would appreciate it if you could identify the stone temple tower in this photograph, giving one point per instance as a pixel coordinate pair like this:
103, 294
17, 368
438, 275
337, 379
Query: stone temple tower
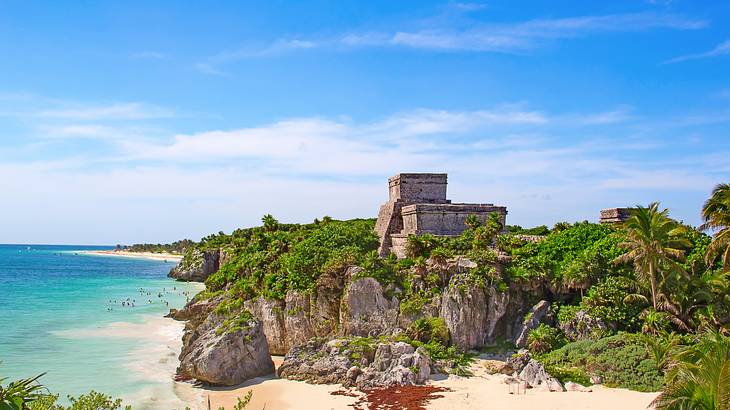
417, 205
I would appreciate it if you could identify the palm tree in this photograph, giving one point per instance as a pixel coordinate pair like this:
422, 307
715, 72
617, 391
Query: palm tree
699, 376
716, 214
652, 245
18, 394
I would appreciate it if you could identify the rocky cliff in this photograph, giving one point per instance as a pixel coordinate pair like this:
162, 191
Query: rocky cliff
341, 305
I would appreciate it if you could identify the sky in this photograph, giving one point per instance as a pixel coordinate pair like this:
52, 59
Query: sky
152, 121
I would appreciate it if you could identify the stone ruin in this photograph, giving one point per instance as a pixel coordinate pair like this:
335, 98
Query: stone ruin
417, 205
614, 215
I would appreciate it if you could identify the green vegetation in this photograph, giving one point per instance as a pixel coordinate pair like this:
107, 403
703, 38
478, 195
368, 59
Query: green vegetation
621, 360
28, 394
178, 247
699, 375
544, 338
274, 258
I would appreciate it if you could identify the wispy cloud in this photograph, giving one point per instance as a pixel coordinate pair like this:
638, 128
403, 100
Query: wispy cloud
115, 111
720, 50
147, 55
517, 37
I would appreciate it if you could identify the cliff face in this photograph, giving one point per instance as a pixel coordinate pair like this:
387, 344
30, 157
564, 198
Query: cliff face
199, 265
346, 304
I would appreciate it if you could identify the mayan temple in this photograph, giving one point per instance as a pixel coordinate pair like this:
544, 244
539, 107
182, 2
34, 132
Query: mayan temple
417, 205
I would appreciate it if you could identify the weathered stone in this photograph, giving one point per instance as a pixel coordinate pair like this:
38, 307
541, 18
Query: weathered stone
337, 361
535, 376
570, 386
297, 326
271, 314
365, 310
534, 317
225, 358
496, 366
517, 362
464, 309
583, 326
197, 267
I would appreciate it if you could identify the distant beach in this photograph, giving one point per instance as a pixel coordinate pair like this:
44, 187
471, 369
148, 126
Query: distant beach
162, 256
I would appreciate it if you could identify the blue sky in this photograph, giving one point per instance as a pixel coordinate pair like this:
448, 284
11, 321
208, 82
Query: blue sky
154, 121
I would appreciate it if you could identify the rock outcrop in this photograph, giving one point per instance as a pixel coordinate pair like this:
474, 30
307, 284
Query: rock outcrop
583, 326
198, 266
535, 376
354, 363
225, 355
271, 314
534, 317
365, 310
464, 309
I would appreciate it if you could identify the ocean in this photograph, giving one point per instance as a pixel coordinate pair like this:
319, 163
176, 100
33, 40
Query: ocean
91, 322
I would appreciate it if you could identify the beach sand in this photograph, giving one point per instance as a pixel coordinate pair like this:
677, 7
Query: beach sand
482, 391
144, 255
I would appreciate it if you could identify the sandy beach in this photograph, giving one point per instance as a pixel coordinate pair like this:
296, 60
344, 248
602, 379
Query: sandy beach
145, 255
482, 391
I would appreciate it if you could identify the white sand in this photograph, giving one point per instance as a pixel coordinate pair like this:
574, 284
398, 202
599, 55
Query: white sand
143, 255
490, 392
482, 391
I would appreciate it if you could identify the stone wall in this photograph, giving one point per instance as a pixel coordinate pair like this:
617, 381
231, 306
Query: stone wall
445, 219
615, 215
418, 188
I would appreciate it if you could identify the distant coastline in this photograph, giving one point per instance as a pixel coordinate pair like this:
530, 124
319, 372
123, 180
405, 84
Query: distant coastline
162, 256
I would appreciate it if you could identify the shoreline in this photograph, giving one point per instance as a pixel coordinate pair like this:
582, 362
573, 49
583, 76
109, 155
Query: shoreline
138, 255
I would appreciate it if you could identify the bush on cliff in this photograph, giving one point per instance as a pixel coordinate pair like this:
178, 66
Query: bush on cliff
272, 259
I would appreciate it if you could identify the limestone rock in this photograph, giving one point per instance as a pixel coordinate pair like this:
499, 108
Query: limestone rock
365, 310
351, 364
570, 386
464, 309
271, 314
496, 366
517, 362
534, 317
583, 326
225, 357
535, 376
297, 324
197, 267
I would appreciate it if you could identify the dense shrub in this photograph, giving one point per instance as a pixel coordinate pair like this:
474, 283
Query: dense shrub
430, 329
621, 360
544, 338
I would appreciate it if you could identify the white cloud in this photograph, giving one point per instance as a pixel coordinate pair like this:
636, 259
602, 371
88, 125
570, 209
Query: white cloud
720, 50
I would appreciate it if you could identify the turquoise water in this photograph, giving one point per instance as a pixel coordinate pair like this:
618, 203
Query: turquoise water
61, 313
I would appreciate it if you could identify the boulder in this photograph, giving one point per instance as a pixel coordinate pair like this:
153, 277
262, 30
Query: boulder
534, 317
570, 386
354, 363
197, 266
535, 376
583, 326
365, 310
517, 362
225, 355
464, 309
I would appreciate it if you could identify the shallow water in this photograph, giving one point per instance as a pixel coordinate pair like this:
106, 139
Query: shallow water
61, 313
